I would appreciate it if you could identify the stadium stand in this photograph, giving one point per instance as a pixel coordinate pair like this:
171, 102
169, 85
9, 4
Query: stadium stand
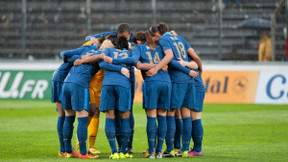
56, 25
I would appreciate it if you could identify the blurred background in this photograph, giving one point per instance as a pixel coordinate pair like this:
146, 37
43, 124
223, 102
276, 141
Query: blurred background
216, 29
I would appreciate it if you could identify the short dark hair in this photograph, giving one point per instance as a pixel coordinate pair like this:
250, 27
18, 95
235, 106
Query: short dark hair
145, 37
139, 36
124, 27
102, 38
153, 29
122, 43
163, 28
160, 28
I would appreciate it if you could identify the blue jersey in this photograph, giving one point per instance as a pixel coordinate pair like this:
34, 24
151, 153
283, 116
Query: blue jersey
199, 83
179, 46
61, 73
112, 74
79, 51
81, 75
147, 55
132, 80
106, 34
129, 61
198, 80
63, 70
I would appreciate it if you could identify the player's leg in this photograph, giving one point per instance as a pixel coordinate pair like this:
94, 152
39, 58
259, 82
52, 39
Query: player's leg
124, 107
60, 123
110, 130
90, 117
177, 97
80, 104
130, 143
125, 131
107, 105
68, 121
151, 129
82, 130
56, 98
82, 134
93, 127
188, 104
163, 107
91, 113
94, 104
197, 133
118, 126
150, 99
197, 128
144, 105
68, 133
171, 129
177, 140
186, 131
162, 130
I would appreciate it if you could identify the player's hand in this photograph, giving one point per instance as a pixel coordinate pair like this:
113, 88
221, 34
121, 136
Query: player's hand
193, 65
102, 55
165, 68
108, 59
85, 56
93, 40
193, 73
138, 65
125, 72
151, 72
182, 62
77, 62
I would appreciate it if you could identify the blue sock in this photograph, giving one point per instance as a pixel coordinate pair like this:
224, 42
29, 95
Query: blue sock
186, 133
60, 123
162, 130
111, 133
177, 141
197, 134
125, 131
132, 130
68, 132
118, 126
171, 128
82, 134
151, 133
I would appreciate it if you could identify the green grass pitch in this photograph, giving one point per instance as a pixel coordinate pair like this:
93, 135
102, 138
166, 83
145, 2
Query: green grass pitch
232, 132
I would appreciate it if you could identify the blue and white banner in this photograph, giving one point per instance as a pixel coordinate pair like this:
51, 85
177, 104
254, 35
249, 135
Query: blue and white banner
272, 87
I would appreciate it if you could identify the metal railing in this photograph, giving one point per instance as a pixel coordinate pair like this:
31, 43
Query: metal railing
210, 26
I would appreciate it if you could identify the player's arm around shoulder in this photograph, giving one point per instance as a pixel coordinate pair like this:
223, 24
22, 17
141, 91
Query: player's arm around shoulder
89, 59
195, 57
